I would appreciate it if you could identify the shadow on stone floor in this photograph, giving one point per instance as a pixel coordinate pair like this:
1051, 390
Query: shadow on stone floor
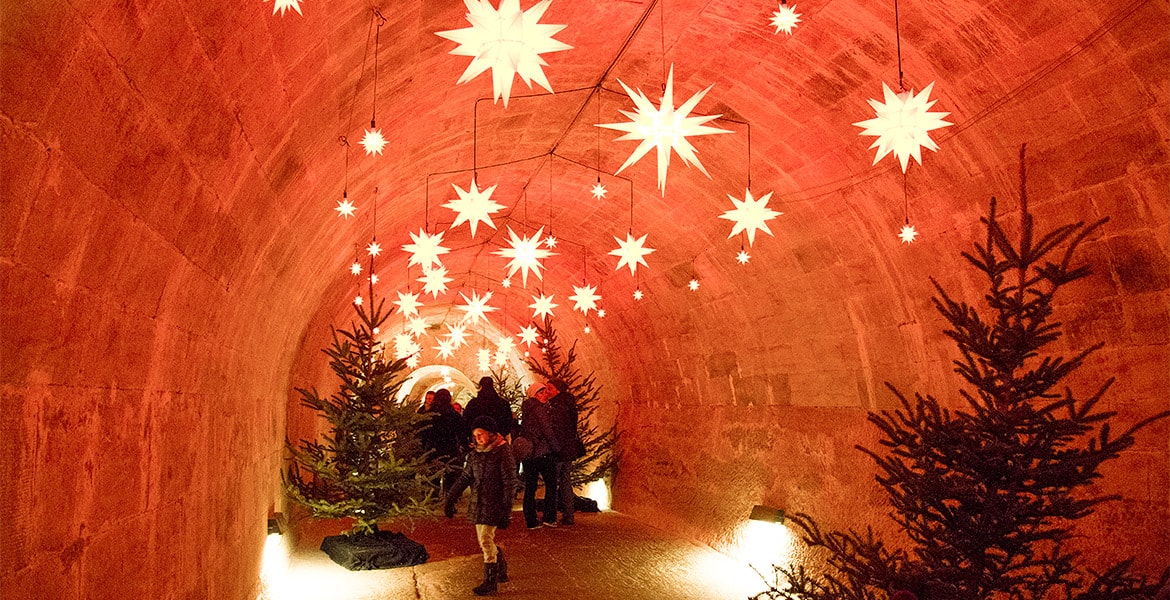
603, 556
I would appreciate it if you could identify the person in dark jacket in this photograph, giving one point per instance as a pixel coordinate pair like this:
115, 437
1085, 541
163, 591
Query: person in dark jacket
443, 435
487, 403
490, 470
536, 427
563, 413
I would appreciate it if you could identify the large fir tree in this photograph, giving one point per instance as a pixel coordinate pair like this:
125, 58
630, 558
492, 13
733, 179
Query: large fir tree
371, 465
987, 493
553, 362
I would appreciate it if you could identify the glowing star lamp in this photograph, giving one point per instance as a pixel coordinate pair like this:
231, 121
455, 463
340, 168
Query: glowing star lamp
542, 306
425, 249
786, 18
374, 249
475, 307
907, 234
508, 41
665, 128
373, 142
457, 335
631, 252
408, 304
445, 348
743, 257
750, 215
903, 125
598, 191
417, 326
693, 285
585, 299
525, 254
345, 208
638, 295
550, 242
474, 206
356, 268
435, 281
284, 5
528, 335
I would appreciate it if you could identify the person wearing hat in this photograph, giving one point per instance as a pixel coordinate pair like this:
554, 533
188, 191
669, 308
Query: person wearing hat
536, 427
490, 471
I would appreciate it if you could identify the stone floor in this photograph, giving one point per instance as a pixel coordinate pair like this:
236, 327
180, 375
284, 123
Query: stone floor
603, 556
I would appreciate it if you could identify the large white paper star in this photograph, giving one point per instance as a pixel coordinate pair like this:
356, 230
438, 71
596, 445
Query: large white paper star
484, 358
664, 128
528, 335
417, 326
373, 142
457, 335
476, 307
501, 358
404, 346
542, 306
526, 255
907, 234
435, 281
408, 304
284, 5
903, 125
426, 249
445, 348
505, 344
585, 299
750, 215
473, 206
508, 41
412, 362
345, 208
631, 252
785, 19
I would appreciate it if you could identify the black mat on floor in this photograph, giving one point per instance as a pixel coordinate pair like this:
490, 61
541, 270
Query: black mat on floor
379, 550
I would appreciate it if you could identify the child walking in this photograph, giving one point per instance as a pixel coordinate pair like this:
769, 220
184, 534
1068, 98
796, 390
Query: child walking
490, 470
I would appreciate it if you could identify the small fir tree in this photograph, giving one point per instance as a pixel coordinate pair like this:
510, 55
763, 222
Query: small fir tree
600, 459
987, 495
371, 466
510, 388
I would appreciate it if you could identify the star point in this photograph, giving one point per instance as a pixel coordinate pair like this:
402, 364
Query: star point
283, 5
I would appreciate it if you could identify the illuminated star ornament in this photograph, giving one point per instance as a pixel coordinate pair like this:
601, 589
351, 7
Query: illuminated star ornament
550, 242
693, 284
525, 255
417, 326
426, 249
357, 300
345, 208
374, 249
475, 307
903, 125
508, 41
404, 346
445, 348
504, 344
743, 257
585, 299
598, 191
750, 215
528, 335
356, 268
435, 281
373, 142
412, 361
907, 234
638, 295
283, 5
408, 304
506, 283
474, 206
484, 359
786, 18
665, 128
542, 306
457, 335
631, 252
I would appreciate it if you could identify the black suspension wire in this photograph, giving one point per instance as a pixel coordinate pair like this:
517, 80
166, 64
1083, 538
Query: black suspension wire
898, 37
377, 45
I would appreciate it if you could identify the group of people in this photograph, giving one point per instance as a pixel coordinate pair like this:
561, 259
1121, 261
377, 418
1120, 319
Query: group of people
544, 444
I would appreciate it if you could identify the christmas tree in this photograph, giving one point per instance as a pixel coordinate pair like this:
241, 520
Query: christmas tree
371, 466
600, 459
987, 494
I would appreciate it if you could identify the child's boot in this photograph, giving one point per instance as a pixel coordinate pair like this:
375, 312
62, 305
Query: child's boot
488, 587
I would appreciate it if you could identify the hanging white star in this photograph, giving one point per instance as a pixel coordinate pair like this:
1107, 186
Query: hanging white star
357, 300
484, 358
598, 191
586, 330
445, 348
526, 255
416, 326
638, 295
505, 344
474, 206
903, 125
508, 41
374, 249
542, 306
501, 358
373, 278
476, 307
693, 284
631, 252
345, 208
404, 346
356, 268
785, 19
585, 299
457, 335
907, 234
601, 313
550, 242
506, 283
284, 5
373, 142
664, 128
750, 215
408, 304
528, 335
743, 257
412, 362
435, 281
425, 249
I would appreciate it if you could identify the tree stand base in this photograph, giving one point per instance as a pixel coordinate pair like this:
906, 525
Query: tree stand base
379, 550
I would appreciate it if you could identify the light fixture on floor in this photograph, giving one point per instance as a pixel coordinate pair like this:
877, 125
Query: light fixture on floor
767, 514
277, 524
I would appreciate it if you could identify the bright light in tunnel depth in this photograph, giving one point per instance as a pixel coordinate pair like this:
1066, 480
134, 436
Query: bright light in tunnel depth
598, 492
762, 545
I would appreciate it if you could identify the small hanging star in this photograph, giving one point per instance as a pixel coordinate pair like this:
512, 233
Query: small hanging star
408, 304
501, 358
417, 326
750, 215
357, 300
550, 242
435, 281
484, 358
693, 284
356, 268
743, 257
412, 362
908, 233
445, 348
506, 283
528, 335
903, 125
374, 249
631, 252
373, 142
586, 330
457, 335
404, 346
345, 208
373, 279
598, 191
476, 307
601, 313
525, 254
425, 249
284, 5
638, 295
542, 306
473, 206
786, 18
585, 298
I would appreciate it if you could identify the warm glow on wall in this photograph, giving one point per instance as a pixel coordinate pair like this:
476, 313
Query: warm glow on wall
598, 492
761, 544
